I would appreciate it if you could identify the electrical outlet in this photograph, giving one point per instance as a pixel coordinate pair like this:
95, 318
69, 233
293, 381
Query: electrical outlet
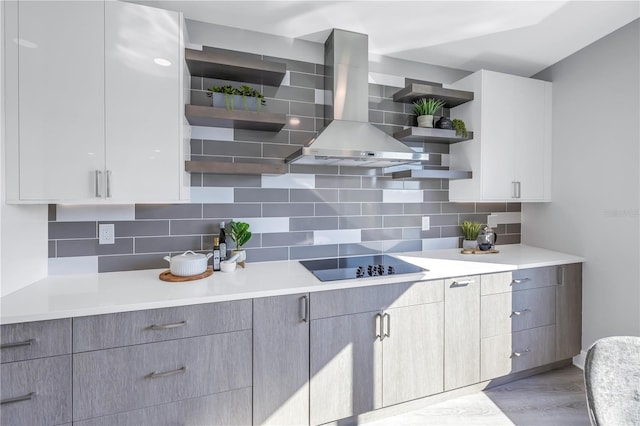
106, 233
426, 225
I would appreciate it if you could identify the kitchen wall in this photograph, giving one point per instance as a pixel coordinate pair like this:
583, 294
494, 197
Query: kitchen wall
307, 213
596, 182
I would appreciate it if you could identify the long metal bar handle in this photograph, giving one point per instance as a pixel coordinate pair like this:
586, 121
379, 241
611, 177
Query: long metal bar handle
17, 344
561, 275
386, 318
379, 327
108, 183
519, 187
518, 313
97, 179
167, 326
26, 397
304, 309
154, 375
513, 190
520, 281
461, 283
519, 354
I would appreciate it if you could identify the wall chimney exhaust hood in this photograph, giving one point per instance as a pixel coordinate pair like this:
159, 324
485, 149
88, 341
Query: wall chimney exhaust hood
347, 138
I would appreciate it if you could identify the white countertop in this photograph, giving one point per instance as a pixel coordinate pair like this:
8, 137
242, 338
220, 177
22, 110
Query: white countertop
81, 295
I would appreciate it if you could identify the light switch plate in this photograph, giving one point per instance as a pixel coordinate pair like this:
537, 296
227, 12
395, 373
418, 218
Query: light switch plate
106, 233
426, 223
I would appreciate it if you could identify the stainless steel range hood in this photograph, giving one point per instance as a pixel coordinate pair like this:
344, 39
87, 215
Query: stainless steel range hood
347, 138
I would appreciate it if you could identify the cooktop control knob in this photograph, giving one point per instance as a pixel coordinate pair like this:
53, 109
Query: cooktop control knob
391, 270
359, 272
370, 270
380, 270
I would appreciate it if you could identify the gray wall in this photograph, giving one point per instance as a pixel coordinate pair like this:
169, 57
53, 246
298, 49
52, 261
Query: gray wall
596, 183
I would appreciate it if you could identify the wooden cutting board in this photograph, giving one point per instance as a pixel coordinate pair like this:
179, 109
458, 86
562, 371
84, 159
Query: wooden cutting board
169, 277
478, 251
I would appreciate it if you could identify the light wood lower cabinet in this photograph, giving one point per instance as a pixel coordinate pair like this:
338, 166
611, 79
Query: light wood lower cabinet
281, 360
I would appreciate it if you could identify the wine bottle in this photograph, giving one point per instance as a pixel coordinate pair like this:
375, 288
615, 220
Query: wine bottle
216, 253
223, 242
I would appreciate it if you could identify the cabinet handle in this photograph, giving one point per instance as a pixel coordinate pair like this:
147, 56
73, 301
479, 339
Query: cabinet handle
519, 187
520, 281
516, 189
26, 397
519, 354
154, 375
167, 326
98, 179
561, 270
304, 309
461, 283
108, 183
379, 327
17, 344
386, 318
518, 313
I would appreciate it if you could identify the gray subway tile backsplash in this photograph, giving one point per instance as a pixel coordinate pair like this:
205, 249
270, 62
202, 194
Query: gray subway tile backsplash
341, 198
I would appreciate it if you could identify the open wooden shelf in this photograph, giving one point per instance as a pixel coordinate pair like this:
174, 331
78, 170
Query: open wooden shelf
431, 174
415, 91
225, 65
224, 168
198, 115
429, 134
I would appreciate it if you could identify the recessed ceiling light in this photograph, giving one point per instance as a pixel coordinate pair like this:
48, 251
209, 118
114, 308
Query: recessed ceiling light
162, 61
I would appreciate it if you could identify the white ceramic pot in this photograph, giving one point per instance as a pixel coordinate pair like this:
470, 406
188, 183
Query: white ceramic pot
425, 121
242, 255
188, 263
226, 266
469, 244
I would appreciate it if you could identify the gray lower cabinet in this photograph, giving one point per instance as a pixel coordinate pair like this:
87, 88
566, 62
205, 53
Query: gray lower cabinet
123, 379
232, 408
281, 360
36, 339
36, 392
461, 332
389, 354
569, 311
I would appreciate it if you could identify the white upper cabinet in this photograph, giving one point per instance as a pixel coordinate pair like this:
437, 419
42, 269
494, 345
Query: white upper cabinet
100, 87
510, 154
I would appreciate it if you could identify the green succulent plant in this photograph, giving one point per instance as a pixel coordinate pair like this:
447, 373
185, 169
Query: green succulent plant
244, 91
459, 127
470, 230
429, 106
240, 234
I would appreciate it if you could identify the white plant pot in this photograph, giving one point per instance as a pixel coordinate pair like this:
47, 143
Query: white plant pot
234, 102
242, 255
425, 121
469, 244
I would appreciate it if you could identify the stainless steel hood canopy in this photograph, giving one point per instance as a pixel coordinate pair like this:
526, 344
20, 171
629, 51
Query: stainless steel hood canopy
348, 139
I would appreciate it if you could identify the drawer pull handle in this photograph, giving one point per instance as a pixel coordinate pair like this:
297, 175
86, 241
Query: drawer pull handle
519, 354
26, 397
520, 281
379, 327
387, 325
461, 283
167, 326
518, 313
155, 375
304, 309
17, 344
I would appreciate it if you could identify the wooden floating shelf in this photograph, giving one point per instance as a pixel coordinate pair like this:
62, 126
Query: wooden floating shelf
226, 65
415, 91
428, 134
431, 174
198, 115
224, 168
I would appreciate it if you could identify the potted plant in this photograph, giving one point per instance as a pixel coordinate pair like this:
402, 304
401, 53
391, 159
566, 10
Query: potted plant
240, 235
470, 230
459, 127
251, 98
425, 109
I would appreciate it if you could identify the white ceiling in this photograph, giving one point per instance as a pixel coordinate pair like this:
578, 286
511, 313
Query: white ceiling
517, 37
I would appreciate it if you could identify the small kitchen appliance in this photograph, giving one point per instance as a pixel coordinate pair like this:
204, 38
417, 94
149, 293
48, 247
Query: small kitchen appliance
346, 268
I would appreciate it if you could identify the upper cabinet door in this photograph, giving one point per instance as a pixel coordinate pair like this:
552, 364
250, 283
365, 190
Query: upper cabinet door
61, 99
144, 108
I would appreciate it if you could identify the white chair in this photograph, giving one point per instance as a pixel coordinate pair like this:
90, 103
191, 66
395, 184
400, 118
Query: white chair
612, 379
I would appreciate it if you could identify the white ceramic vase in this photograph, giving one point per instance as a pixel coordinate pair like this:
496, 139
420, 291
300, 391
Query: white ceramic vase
469, 244
425, 121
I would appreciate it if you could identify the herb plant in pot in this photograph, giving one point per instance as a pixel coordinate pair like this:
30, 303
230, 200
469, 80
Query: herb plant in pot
470, 230
240, 235
230, 96
459, 127
425, 109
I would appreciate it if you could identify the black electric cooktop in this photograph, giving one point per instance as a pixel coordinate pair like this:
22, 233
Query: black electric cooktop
346, 268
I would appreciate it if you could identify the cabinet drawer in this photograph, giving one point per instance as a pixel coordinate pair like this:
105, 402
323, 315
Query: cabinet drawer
36, 392
513, 352
521, 279
123, 379
518, 310
374, 298
226, 408
131, 328
39, 339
